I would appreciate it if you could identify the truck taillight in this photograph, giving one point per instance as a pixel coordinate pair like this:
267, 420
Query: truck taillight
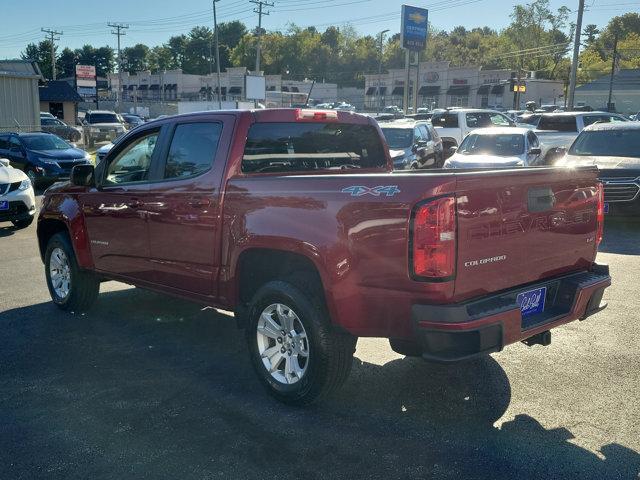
600, 215
433, 243
303, 114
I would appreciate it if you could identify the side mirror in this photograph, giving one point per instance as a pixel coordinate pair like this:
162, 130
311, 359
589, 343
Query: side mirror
453, 150
83, 176
4, 162
422, 143
535, 151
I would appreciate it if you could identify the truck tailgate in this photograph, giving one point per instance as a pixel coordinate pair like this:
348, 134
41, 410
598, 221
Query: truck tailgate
517, 227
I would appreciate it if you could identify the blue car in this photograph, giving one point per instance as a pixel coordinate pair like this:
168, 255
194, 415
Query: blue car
44, 157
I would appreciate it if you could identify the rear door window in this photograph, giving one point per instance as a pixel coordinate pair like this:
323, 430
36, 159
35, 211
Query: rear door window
445, 120
193, 149
303, 147
561, 123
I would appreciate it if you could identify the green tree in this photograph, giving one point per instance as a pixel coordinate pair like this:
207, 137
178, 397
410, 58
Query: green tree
136, 58
41, 53
66, 63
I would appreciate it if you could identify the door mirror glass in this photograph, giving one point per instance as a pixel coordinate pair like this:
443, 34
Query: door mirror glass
83, 176
422, 143
535, 151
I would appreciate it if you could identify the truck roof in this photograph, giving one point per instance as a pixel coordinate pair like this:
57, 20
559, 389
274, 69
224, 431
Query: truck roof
283, 115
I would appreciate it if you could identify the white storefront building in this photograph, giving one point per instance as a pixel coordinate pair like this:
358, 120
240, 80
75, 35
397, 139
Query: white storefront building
440, 85
174, 85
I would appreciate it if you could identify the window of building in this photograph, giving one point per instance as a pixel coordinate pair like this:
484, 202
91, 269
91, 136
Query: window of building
430, 102
193, 149
459, 101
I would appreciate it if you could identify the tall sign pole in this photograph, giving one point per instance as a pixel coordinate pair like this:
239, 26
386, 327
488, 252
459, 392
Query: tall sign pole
576, 52
215, 24
413, 38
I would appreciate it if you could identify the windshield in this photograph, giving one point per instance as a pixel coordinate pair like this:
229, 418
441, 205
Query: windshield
503, 145
607, 143
103, 118
398, 137
45, 142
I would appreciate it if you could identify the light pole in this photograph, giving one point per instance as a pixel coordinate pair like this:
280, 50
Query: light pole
380, 70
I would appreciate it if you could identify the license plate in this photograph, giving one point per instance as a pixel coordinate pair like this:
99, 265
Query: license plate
4, 205
531, 302
606, 208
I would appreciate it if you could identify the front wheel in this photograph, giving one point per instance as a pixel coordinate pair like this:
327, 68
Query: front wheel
294, 350
71, 288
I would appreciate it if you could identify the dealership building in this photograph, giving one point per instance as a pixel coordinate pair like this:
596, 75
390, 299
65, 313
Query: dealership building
441, 85
174, 85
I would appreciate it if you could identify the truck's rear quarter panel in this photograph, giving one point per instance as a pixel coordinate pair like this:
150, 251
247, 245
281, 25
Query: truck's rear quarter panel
358, 243
359, 240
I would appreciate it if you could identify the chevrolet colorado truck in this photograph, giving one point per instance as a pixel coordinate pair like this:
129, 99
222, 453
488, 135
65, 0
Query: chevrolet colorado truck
294, 220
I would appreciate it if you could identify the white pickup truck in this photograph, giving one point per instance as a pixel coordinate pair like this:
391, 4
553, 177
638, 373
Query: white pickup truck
454, 124
557, 131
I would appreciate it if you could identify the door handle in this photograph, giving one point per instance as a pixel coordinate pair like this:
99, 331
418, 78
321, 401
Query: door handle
199, 202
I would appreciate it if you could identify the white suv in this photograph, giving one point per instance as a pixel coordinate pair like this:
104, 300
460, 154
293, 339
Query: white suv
17, 200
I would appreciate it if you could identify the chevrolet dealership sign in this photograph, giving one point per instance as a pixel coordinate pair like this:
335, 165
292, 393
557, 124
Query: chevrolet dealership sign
413, 33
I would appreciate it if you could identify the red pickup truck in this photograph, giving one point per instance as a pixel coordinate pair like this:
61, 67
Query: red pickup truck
294, 220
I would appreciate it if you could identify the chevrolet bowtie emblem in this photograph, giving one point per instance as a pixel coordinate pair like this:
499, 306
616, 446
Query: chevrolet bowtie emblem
417, 17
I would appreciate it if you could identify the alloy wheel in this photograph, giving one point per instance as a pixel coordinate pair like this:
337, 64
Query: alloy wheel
60, 273
283, 345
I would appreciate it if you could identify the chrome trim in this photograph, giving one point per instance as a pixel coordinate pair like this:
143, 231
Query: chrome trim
629, 182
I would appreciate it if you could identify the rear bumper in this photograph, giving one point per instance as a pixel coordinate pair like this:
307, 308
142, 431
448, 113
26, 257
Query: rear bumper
450, 333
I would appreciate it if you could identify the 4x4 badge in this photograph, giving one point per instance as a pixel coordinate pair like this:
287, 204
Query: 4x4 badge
360, 190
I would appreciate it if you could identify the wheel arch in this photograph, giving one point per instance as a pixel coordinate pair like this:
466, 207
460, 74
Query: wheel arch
258, 265
64, 215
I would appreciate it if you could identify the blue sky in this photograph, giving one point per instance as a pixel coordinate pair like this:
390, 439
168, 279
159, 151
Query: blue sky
153, 22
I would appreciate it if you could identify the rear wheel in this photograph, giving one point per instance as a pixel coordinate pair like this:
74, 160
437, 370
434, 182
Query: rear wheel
294, 350
71, 288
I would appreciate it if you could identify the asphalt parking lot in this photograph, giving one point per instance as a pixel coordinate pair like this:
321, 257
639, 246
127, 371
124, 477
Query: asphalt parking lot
150, 387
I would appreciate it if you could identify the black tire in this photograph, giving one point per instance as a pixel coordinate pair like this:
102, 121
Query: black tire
405, 347
330, 351
19, 224
84, 286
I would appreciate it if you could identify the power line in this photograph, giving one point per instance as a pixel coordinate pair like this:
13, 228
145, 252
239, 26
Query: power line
52, 38
119, 27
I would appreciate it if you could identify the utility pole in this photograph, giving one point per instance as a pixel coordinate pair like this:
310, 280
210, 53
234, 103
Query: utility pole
379, 102
52, 38
613, 70
119, 27
215, 29
576, 52
260, 12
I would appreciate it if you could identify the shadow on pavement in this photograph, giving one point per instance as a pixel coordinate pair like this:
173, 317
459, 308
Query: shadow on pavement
621, 236
7, 231
150, 387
